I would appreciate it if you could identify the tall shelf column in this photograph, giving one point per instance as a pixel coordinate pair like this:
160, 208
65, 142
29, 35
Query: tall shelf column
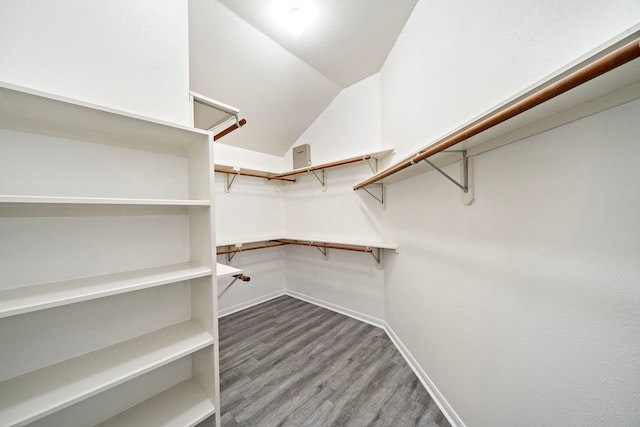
108, 308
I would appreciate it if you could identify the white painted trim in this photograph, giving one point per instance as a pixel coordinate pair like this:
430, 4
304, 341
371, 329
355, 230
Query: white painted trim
247, 304
437, 397
374, 321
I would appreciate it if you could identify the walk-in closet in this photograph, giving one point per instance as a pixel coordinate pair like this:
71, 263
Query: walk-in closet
240, 213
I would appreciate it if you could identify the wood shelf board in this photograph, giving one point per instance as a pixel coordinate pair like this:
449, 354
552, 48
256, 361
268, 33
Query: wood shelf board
29, 110
183, 405
40, 297
34, 395
616, 87
65, 200
224, 270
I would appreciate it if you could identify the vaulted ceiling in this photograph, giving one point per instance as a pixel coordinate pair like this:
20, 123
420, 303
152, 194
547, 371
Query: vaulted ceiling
243, 55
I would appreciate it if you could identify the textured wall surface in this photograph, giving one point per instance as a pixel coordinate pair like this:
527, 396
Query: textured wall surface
131, 56
523, 308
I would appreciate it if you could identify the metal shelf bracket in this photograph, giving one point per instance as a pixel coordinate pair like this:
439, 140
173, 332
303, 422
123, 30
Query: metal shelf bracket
376, 253
323, 180
228, 182
241, 277
467, 196
373, 164
464, 186
230, 255
380, 197
324, 252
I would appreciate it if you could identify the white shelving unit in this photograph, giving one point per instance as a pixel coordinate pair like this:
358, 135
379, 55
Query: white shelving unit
108, 308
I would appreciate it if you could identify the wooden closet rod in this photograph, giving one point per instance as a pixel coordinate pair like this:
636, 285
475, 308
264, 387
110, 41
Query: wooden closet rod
590, 71
325, 245
255, 175
253, 248
325, 166
229, 129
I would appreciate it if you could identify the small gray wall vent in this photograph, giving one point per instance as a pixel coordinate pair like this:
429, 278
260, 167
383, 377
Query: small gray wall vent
301, 156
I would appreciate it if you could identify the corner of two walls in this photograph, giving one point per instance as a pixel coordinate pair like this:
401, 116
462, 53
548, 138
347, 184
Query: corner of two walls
347, 281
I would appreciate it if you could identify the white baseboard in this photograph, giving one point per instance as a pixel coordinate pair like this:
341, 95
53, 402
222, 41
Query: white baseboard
437, 397
338, 309
247, 304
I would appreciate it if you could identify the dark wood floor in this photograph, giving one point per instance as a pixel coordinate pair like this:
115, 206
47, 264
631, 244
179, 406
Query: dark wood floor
290, 363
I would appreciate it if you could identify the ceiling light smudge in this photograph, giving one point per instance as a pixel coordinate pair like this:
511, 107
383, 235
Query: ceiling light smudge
297, 22
296, 19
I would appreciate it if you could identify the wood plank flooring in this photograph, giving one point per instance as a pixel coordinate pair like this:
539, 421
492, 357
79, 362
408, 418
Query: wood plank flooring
290, 363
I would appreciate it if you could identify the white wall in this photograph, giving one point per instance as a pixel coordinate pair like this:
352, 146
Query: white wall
252, 209
455, 60
348, 127
521, 308
348, 279
131, 56
255, 208
265, 267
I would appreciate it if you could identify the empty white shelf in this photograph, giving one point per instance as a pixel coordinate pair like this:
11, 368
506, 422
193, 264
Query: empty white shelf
34, 395
316, 239
183, 405
39, 297
246, 240
29, 110
56, 200
344, 241
209, 113
226, 271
